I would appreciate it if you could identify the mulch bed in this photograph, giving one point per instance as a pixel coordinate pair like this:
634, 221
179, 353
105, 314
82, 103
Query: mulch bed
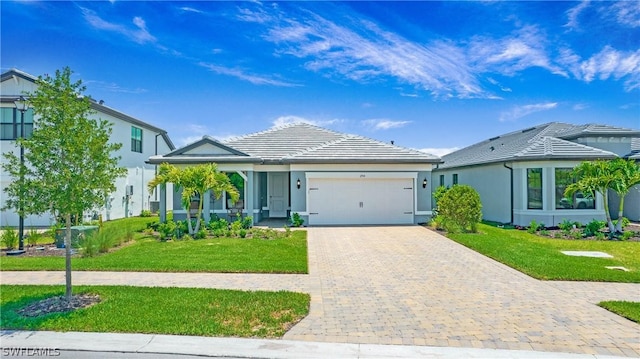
43, 250
59, 305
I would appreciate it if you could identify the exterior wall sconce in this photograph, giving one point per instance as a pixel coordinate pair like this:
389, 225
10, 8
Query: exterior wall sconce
424, 183
298, 183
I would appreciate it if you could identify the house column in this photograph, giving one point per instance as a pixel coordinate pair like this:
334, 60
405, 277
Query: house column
249, 198
206, 208
163, 204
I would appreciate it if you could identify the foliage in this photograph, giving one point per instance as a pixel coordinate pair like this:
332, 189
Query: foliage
195, 181
247, 222
439, 192
33, 237
178, 311
534, 226
593, 227
219, 224
267, 251
168, 230
9, 238
460, 209
619, 175
625, 222
542, 258
145, 213
629, 310
566, 226
68, 165
296, 220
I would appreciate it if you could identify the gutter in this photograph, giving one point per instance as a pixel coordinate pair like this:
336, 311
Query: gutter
511, 183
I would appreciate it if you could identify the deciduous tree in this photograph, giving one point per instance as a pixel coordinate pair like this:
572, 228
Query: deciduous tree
69, 165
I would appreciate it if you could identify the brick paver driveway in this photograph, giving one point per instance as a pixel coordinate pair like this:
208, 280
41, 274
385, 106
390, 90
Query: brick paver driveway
408, 285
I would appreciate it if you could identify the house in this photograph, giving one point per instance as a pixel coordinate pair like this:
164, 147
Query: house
327, 177
140, 140
521, 176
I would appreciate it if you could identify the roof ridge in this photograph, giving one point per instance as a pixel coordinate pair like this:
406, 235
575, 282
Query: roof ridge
322, 145
411, 150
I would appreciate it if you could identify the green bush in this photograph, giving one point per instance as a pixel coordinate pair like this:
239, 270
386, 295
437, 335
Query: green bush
247, 222
460, 209
566, 226
145, 213
168, 230
218, 224
534, 227
593, 227
625, 222
9, 238
296, 220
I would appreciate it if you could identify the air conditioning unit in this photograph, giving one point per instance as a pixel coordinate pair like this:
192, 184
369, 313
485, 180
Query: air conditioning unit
129, 191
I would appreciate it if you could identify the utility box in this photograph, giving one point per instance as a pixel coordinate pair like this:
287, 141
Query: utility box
129, 191
78, 234
154, 206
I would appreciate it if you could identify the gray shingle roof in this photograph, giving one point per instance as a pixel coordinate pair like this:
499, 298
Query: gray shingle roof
548, 141
301, 143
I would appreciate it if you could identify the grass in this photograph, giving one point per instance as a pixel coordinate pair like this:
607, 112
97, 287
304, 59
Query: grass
147, 254
629, 310
179, 311
541, 258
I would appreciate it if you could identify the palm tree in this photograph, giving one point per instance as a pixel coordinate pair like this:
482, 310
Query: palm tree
595, 176
195, 181
627, 174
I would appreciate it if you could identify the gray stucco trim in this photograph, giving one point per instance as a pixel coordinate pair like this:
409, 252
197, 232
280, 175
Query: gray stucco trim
202, 141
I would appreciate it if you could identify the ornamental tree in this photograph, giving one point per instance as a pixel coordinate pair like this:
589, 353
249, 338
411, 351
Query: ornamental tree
619, 175
195, 181
68, 164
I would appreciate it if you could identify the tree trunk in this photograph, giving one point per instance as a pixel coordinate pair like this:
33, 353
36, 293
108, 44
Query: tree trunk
620, 214
189, 226
67, 250
605, 196
198, 219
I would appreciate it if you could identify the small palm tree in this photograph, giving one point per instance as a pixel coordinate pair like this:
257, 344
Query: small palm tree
195, 181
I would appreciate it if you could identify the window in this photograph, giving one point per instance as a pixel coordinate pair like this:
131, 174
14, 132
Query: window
10, 123
579, 200
238, 183
441, 180
534, 188
455, 178
136, 139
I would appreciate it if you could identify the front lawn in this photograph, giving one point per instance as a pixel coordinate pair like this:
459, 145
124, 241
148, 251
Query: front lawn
179, 311
541, 258
147, 254
629, 310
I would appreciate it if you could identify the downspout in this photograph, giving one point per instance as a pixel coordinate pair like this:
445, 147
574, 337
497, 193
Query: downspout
511, 183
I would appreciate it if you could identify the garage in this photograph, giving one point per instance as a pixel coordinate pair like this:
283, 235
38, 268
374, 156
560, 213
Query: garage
362, 200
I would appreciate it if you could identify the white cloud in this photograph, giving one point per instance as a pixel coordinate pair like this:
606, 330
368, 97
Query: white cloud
362, 51
190, 9
518, 112
384, 124
627, 13
574, 13
496, 83
580, 107
439, 151
139, 34
523, 49
291, 119
242, 75
113, 87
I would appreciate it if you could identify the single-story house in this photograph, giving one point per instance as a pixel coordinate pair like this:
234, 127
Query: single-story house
327, 177
521, 176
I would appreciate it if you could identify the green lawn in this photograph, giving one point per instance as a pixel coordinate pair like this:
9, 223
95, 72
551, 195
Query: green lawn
147, 254
541, 258
629, 310
180, 311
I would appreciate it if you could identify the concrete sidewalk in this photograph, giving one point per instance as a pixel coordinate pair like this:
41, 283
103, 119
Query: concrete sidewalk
96, 343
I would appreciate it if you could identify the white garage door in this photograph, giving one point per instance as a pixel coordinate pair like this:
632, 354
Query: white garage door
360, 201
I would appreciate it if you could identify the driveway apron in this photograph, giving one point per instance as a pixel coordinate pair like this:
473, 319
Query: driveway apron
409, 285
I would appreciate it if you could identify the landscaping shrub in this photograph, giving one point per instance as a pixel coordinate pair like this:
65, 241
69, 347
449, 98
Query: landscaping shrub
32, 237
296, 220
145, 213
247, 222
167, 230
534, 227
593, 227
459, 209
9, 238
566, 226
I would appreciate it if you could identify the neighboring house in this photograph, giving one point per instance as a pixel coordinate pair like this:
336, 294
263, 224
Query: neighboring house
139, 141
327, 177
521, 176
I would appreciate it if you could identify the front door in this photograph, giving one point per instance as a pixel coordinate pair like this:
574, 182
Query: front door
278, 194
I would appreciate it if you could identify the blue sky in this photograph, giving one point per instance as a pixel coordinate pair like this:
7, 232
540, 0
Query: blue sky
428, 75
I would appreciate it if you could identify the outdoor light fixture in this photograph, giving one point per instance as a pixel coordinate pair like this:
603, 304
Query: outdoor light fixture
21, 105
424, 183
298, 183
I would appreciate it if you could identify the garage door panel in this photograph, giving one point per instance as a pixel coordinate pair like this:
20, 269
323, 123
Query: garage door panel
360, 201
